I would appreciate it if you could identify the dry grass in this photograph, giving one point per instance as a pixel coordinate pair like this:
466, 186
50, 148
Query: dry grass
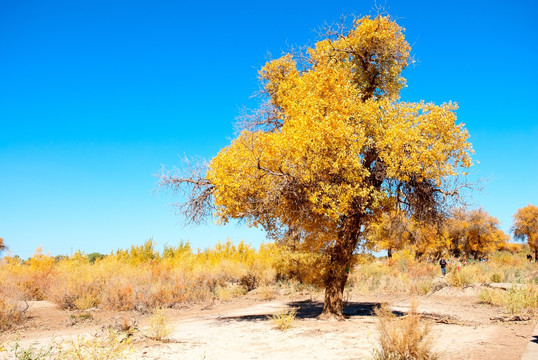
462, 277
403, 338
143, 279
267, 292
12, 312
107, 344
12, 306
516, 301
159, 328
284, 319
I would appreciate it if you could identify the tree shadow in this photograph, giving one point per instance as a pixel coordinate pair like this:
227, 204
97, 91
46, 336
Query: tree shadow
308, 309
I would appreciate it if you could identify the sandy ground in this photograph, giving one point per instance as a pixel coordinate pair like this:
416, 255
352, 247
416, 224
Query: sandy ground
240, 329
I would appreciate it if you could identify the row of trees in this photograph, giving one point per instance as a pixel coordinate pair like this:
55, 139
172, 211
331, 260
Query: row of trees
462, 232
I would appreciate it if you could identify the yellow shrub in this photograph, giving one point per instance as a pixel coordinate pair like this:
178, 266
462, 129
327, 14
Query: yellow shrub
11, 312
517, 300
159, 328
284, 319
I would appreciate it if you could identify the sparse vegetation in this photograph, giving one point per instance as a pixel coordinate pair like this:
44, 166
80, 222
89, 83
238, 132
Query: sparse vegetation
12, 312
107, 344
141, 278
159, 328
515, 301
144, 280
284, 319
403, 338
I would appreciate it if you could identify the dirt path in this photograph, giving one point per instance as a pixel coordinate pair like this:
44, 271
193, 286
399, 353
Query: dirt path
240, 329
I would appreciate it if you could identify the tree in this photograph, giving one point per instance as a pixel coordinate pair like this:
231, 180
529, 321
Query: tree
474, 233
331, 147
526, 227
94, 256
429, 238
389, 231
2, 245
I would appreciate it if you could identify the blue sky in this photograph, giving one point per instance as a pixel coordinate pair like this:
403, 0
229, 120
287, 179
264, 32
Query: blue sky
96, 96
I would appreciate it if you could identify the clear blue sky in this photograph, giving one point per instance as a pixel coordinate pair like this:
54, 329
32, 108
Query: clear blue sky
95, 96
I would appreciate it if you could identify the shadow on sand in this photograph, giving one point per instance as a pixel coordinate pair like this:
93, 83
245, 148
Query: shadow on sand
309, 309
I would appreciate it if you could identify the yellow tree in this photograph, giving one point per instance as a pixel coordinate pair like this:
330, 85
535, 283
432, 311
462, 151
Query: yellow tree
389, 231
331, 148
428, 239
396, 229
474, 233
526, 226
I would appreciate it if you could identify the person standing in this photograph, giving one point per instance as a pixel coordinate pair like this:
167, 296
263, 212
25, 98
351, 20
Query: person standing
443, 266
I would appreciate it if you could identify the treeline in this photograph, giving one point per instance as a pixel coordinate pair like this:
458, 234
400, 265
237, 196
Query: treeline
460, 233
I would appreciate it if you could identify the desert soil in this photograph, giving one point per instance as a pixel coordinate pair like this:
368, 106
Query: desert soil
461, 328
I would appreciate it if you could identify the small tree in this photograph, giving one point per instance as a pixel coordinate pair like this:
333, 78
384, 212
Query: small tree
526, 227
332, 147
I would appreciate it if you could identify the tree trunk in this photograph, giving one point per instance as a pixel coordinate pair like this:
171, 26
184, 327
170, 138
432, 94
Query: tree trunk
337, 274
535, 253
389, 252
333, 306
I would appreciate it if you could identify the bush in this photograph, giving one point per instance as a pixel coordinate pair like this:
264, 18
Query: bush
404, 338
284, 319
159, 329
12, 313
516, 300
463, 277
496, 278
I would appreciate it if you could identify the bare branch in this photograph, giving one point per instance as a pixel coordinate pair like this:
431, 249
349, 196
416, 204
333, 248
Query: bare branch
191, 182
265, 118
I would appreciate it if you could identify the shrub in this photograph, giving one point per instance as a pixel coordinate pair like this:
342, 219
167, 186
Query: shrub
37, 273
76, 285
284, 319
463, 277
492, 296
422, 286
229, 291
404, 338
159, 329
267, 293
516, 300
403, 259
12, 312
496, 278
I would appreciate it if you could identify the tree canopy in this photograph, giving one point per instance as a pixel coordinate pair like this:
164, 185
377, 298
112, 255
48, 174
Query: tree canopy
333, 146
474, 233
526, 226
